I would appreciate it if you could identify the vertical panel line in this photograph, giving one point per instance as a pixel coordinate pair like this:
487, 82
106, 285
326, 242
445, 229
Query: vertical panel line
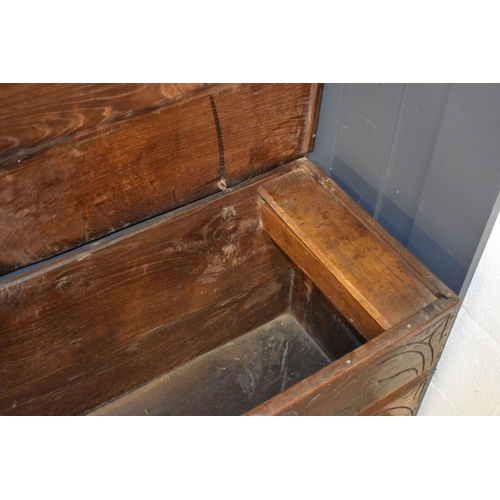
431, 156
385, 176
337, 128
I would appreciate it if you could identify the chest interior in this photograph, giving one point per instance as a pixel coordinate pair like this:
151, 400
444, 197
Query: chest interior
169, 250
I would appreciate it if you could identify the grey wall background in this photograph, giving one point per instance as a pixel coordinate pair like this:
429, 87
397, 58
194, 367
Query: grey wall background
422, 159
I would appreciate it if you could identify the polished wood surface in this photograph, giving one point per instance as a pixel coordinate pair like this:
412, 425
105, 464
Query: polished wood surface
86, 187
348, 262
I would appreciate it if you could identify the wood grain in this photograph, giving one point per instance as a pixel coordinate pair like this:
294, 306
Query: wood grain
99, 375
339, 252
317, 272
73, 314
431, 281
85, 188
34, 117
279, 132
373, 371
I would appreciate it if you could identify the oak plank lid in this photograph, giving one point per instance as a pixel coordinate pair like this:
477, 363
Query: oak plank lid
78, 162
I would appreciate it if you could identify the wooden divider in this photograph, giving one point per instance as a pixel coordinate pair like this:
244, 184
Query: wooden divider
368, 279
370, 284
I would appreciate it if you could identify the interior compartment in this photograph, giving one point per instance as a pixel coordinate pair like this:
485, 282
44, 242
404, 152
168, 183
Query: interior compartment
252, 368
231, 379
185, 233
242, 303
323, 308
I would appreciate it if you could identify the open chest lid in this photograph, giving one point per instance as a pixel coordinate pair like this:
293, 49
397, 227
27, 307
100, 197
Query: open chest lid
78, 162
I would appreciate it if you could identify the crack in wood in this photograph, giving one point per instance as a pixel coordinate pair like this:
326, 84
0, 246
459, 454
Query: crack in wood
222, 183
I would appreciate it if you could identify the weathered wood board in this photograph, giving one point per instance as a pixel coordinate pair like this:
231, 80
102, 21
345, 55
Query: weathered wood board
37, 116
86, 321
338, 251
341, 249
117, 173
373, 372
231, 379
143, 226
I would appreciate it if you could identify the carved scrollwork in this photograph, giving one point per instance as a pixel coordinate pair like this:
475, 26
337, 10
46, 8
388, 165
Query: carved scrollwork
368, 383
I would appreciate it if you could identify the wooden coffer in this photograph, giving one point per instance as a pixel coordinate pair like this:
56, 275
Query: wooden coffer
170, 250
